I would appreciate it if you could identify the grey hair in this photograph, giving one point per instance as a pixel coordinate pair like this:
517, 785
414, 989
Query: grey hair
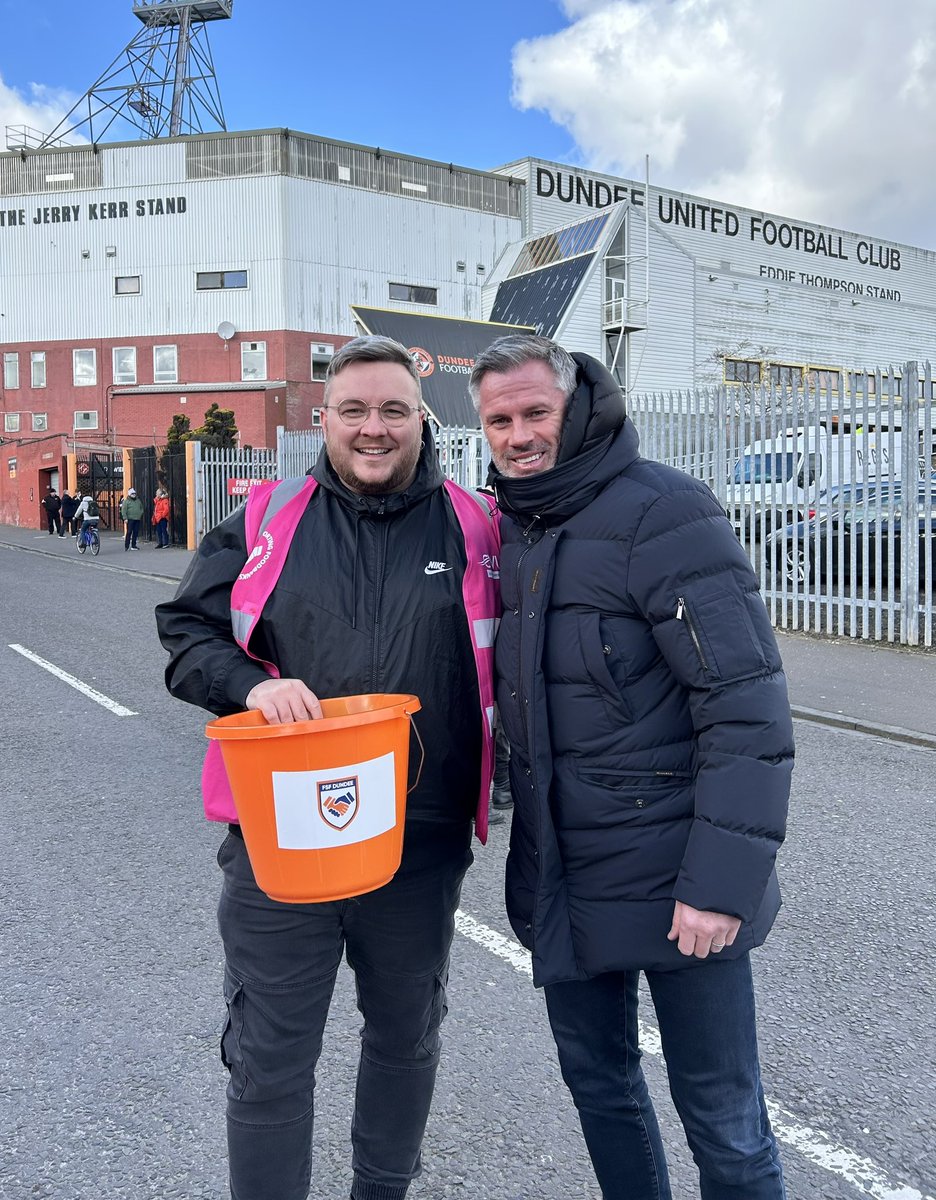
515, 350
372, 348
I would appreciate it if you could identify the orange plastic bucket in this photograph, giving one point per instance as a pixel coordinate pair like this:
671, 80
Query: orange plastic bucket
321, 803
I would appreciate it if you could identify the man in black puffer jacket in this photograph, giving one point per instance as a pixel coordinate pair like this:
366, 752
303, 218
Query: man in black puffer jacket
641, 689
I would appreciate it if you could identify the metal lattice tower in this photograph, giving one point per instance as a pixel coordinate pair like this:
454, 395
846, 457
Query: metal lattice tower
162, 84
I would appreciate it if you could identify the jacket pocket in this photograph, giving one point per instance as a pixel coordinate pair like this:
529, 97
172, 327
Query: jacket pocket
599, 798
718, 625
598, 649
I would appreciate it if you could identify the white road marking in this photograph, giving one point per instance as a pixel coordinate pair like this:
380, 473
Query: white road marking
98, 697
813, 1144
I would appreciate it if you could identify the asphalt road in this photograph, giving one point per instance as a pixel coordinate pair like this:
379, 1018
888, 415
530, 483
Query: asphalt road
110, 966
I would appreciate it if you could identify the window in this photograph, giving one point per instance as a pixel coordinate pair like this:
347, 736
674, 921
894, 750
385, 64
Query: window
316, 418
11, 422
413, 294
742, 370
37, 369
86, 420
786, 376
321, 357
764, 468
40, 422
84, 368
127, 285
253, 360
824, 379
11, 370
211, 281
125, 364
165, 364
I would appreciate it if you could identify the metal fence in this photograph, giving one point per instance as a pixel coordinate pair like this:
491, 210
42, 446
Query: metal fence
222, 480
821, 482
297, 451
820, 478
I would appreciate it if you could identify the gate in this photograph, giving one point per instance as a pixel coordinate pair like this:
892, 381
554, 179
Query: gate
100, 474
155, 467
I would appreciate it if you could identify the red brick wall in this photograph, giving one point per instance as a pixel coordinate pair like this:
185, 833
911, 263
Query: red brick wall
139, 420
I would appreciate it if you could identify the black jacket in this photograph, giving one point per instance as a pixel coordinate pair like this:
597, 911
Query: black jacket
354, 611
642, 692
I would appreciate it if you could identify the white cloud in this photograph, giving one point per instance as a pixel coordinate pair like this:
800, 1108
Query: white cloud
823, 110
41, 109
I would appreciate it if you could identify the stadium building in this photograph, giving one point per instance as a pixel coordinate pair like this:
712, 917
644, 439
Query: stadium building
145, 279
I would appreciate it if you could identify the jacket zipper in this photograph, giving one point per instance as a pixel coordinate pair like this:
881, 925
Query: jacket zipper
683, 614
381, 559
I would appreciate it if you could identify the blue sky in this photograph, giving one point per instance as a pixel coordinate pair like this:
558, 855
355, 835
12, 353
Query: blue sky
819, 110
431, 79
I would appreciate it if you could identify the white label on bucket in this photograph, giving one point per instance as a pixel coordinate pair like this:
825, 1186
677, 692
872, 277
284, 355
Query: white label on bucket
316, 810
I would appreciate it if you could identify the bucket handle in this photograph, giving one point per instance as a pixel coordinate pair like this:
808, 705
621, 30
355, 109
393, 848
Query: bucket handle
422, 753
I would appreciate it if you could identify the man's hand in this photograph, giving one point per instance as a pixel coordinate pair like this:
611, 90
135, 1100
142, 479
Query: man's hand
283, 701
701, 932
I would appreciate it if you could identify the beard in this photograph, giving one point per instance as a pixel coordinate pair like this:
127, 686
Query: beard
398, 479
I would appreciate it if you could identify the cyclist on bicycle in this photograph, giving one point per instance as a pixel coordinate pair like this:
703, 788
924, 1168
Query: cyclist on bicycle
87, 513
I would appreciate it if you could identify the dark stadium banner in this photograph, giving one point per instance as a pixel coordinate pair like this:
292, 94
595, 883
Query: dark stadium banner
444, 349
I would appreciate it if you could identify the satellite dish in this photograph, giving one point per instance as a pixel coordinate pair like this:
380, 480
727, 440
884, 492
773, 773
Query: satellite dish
226, 331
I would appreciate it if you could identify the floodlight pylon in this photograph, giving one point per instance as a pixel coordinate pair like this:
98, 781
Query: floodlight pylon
162, 84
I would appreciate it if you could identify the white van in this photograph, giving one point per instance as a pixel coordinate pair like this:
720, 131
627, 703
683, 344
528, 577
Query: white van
776, 480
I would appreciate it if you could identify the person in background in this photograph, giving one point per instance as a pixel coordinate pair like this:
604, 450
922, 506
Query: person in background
52, 504
161, 518
87, 512
651, 746
501, 797
69, 508
131, 511
371, 574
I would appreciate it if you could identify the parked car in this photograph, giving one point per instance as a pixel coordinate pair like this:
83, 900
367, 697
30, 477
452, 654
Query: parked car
854, 533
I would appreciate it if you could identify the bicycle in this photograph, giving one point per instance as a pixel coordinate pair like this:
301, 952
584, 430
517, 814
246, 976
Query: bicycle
89, 538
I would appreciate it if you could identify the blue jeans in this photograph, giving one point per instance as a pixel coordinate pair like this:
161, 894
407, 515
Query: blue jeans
133, 532
707, 1026
280, 966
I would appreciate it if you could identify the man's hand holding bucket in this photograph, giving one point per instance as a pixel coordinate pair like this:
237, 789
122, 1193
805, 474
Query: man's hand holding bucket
283, 701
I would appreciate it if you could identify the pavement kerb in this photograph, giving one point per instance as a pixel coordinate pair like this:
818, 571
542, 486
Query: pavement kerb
893, 733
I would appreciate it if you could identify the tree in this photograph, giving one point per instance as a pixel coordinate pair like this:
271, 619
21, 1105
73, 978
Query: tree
178, 434
219, 429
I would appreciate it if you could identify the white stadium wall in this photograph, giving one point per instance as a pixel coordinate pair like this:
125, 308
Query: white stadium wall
749, 282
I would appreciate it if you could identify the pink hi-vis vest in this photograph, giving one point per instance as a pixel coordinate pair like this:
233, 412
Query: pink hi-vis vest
273, 511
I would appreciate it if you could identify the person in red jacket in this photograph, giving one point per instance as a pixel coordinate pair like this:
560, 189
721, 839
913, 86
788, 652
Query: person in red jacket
161, 518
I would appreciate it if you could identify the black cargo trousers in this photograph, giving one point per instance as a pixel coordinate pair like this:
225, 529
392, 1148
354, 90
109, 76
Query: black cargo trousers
281, 961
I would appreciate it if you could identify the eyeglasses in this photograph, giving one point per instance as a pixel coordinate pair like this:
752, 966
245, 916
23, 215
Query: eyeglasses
393, 413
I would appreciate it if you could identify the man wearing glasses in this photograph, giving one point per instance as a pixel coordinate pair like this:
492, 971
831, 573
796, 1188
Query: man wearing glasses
384, 580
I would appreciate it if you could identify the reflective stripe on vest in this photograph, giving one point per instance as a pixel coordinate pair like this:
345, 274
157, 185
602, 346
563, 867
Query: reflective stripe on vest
272, 514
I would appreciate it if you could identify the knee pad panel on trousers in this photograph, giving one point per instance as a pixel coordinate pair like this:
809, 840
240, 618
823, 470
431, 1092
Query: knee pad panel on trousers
402, 1016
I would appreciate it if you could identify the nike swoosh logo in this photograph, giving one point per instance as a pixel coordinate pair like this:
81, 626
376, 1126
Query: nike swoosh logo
436, 570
